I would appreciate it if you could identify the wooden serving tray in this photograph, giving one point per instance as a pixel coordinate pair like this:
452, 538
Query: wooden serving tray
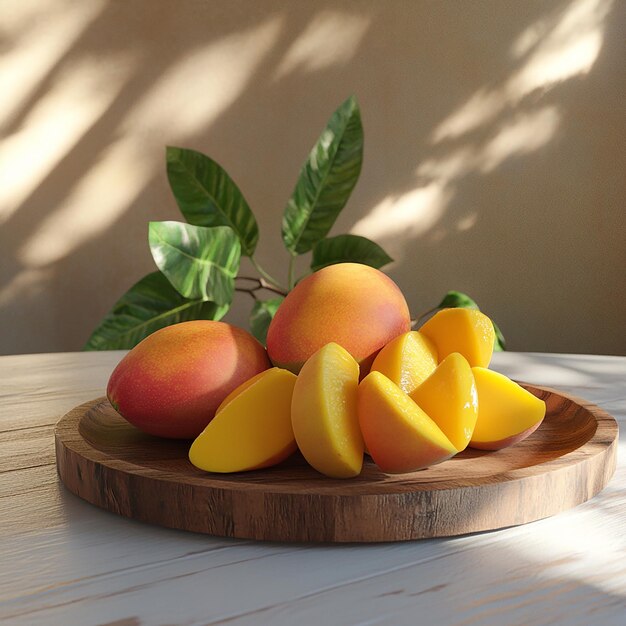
569, 459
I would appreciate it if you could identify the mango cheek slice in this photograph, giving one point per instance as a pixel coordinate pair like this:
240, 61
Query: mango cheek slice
324, 413
252, 429
466, 331
448, 396
407, 360
399, 436
507, 413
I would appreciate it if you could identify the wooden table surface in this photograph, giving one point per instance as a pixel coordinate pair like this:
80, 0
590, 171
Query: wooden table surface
63, 561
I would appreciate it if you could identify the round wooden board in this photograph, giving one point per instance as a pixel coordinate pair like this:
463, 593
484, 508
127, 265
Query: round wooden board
569, 459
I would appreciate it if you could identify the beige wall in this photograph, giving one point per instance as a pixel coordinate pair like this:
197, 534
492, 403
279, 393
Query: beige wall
494, 159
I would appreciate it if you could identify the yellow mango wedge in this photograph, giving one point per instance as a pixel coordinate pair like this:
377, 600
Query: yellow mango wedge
252, 426
448, 396
407, 360
507, 413
239, 390
400, 437
467, 331
323, 413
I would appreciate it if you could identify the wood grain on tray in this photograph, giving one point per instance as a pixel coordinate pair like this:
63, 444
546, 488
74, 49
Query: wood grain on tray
570, 458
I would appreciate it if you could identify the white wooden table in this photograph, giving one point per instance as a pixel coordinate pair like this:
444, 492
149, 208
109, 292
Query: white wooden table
63, 561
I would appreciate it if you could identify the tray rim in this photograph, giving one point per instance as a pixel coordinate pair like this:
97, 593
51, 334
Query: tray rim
343, 501
596, 445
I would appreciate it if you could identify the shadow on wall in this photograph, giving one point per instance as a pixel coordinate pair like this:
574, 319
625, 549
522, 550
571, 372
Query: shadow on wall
512, 117
91, 92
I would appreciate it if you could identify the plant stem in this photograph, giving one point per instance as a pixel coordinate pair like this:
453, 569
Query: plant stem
290, 281
264, 274
248, 291
261, 283
270, 287
253, 278
416, 321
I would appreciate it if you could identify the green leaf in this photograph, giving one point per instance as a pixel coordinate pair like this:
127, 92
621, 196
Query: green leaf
348, 249
326, 180
208, 196
456, 299
261, 315
150, 304
201, 263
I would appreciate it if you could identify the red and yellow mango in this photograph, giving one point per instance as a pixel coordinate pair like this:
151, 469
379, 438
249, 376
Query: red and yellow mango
353, 305
171, 384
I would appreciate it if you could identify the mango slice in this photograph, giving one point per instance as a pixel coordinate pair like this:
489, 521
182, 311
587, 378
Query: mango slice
507, 413
407, 360
467, 331
323, 412
238, 390
252, 427
448, 396
400, 437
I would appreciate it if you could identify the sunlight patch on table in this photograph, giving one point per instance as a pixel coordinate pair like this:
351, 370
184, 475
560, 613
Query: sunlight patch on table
554, 371
587, 552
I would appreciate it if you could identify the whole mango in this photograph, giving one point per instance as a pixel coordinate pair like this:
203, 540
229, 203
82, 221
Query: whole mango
353, 305
171, 384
